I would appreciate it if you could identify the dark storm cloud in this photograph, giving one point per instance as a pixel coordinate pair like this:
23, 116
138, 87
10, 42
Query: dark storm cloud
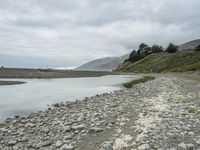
72, 32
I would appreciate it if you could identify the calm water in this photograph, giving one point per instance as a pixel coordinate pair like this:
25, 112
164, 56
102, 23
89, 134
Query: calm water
23, 99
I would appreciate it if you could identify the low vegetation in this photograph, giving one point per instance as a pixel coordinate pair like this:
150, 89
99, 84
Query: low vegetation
171, 48
145, 50
192, 110
165, 62
157, 59
197, 48
142, 80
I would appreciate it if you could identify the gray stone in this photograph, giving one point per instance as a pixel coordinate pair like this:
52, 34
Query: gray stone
58, 144
68, 136
143, 147
44, 144
78, 127
182, 145
29, 125
190, 146
198, 142
107, 146
95, 129
15, 147
12, 142
186, 128
67, 147
191, 133
66, 128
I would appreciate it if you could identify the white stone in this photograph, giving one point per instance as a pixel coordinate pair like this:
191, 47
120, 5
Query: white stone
143, 147
67, 147
58, 144
182, 145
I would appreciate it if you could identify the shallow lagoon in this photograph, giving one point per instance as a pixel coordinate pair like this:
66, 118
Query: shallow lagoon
36, 94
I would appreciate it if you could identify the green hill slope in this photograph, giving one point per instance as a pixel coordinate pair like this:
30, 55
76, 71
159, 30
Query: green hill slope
165, 62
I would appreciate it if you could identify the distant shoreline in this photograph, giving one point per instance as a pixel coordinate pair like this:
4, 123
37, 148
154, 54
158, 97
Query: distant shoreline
8, 73
49, 73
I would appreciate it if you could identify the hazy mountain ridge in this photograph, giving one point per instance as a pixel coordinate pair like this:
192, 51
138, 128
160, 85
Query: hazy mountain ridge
103, 64
190, 45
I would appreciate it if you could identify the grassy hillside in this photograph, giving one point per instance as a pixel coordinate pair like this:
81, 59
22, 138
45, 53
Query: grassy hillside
165, 62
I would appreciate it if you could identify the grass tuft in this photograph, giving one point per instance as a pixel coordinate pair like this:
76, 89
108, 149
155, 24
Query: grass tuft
142, 80
192, 110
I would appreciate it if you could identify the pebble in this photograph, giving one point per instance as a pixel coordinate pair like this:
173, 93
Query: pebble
68, 136
198, 141
143, 147
12, 142
95, 129
182, 145
58, 144
66, 128
191, 133
107, 146
67, 147
190, 146
44, 144
78, 127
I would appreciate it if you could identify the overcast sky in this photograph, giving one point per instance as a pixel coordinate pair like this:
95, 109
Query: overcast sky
52, 33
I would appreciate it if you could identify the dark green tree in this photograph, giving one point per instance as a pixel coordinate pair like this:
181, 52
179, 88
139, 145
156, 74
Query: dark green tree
197, 48
143, 50
133, 56
172, 48
156, 48
142, 46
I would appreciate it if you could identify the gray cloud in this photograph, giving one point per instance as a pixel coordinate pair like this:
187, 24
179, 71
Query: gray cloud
69, 32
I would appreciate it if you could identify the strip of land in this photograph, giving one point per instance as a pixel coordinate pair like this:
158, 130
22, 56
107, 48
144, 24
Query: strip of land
49, 73
46, 73
11, 82
163, 113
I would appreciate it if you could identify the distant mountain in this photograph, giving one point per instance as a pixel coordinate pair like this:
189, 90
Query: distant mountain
103, 64
189, 45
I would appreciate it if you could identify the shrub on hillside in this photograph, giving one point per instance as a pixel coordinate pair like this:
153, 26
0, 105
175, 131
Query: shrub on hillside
133, 56
156, 48
142, 52
172, 48
197, 48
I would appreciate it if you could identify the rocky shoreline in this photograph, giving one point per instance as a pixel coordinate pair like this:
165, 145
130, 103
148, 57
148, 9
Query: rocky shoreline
161, 114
